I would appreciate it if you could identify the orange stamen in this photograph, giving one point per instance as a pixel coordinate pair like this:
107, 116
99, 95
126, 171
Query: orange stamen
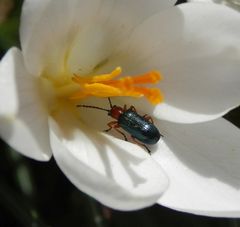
98, 78
105, 85
147, 78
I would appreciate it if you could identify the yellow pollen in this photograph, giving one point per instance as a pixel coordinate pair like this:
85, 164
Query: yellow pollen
106, 85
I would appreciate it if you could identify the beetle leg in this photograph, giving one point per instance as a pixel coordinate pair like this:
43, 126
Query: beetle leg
133, 109
115, 125
125, 137
141, 144
148, 118
111, 125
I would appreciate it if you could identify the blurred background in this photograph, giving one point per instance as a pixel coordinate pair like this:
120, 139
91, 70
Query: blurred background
37, 194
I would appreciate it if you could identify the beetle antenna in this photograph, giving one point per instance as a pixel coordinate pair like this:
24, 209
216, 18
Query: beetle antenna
110, 103
93, 107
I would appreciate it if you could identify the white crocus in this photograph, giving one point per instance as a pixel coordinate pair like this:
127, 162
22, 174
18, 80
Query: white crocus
196, 49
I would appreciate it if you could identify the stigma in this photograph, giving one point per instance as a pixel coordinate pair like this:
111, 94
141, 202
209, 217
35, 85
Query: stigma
108, 85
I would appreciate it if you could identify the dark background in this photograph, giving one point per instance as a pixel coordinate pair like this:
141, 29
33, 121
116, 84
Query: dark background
34, 194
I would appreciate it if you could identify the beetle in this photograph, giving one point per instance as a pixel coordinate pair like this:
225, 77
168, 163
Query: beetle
141, 128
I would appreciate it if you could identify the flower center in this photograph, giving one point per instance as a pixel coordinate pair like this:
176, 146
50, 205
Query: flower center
67, 88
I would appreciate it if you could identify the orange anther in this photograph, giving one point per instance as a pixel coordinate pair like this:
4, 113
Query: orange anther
105, 85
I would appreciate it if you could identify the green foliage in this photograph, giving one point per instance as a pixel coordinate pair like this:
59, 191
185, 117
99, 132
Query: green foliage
9, 33
9, 27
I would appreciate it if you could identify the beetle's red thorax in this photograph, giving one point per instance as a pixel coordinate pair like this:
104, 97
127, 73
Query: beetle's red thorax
115, 112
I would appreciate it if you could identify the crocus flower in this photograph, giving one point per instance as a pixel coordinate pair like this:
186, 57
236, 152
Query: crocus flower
80, 52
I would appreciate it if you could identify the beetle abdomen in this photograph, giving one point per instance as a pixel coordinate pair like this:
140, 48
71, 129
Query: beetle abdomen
139, 127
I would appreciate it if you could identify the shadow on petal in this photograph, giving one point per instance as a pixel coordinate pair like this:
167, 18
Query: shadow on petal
123, 165
210, 149
126, 158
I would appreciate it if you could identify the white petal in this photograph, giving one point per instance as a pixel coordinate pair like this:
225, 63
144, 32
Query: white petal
95, 44
203, 165
197, 51
49, 28
117, 173
23, 120
235, 4
167, 112
204, 1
